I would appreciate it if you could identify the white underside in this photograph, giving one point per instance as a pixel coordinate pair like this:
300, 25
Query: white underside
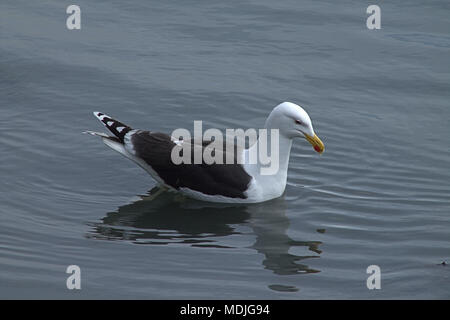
254, 193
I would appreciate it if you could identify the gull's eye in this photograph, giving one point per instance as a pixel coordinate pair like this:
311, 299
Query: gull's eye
298, 122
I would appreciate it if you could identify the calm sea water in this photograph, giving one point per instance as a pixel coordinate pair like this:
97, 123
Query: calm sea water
379, 195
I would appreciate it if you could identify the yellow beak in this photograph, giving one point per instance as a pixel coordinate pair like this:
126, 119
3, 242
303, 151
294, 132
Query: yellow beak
316, 143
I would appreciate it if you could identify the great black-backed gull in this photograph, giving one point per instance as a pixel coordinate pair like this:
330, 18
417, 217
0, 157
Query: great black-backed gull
227, 183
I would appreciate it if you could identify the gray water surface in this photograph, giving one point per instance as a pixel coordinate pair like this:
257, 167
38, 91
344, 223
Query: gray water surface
379, 195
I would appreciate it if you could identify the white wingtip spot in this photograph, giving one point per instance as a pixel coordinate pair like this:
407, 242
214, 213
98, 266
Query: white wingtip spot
119, 129
110, 123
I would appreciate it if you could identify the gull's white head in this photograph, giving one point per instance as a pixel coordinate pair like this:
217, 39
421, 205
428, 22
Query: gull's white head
292, 121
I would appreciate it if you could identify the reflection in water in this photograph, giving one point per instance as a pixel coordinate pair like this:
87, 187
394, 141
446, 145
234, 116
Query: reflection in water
270, 225
163, 218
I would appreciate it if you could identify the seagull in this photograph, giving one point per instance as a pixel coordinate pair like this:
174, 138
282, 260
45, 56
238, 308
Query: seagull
224, 183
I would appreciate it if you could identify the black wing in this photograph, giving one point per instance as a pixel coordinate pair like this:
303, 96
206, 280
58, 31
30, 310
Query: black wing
230, 180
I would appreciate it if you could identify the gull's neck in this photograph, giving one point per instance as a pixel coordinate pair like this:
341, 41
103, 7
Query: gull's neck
271, 185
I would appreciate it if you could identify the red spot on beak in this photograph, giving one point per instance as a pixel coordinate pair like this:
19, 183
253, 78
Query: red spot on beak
317, 148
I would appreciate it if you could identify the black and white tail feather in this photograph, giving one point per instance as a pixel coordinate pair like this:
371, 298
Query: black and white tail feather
116, 127
116, 142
